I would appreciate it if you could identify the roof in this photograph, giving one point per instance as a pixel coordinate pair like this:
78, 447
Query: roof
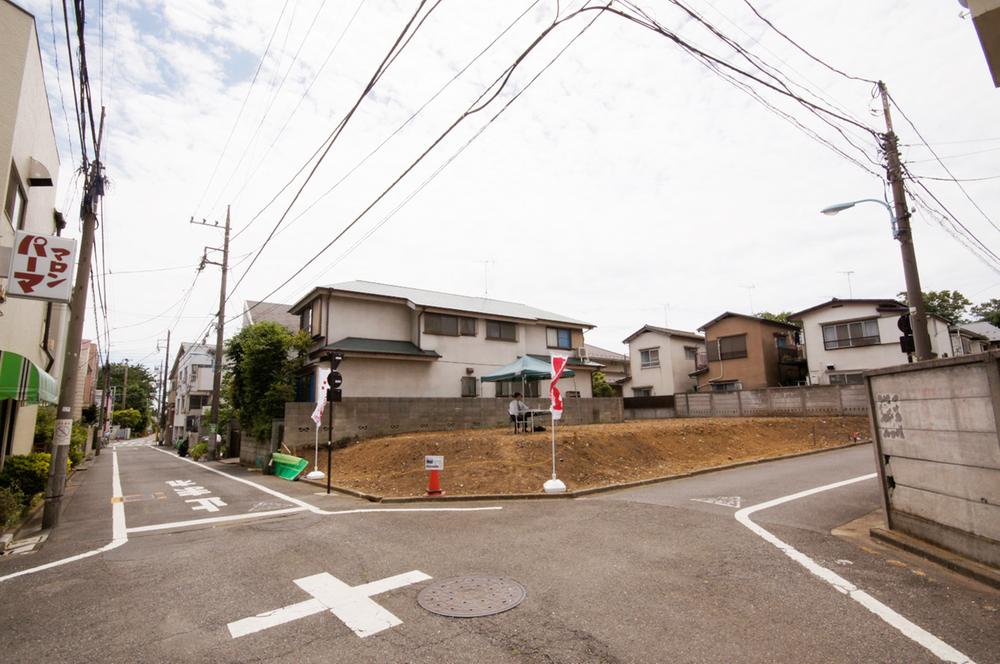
437, 300
603, 354
670, 332
884, 304
984, 328
259, 311
765, 321
380, 347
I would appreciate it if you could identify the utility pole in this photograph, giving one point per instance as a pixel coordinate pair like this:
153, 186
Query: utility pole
125, 387
219, 330
914, 296
92, 192
106, 399
163, 393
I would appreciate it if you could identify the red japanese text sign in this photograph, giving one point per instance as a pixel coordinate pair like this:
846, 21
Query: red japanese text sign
41, 267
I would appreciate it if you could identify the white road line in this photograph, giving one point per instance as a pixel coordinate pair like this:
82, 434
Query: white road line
214, 519
119, 533
316, 510
939, 648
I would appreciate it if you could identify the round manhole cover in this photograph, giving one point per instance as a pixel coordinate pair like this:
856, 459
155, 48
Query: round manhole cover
472, 596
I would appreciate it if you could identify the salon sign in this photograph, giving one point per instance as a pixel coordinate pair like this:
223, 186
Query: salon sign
41, 267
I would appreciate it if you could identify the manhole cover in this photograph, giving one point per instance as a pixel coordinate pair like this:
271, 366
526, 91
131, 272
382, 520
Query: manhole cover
472, 596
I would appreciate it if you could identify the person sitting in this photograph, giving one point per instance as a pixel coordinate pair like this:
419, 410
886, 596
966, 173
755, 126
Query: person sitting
517, 409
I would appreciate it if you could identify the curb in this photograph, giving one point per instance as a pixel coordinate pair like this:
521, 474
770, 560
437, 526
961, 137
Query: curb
943, 557
579, 493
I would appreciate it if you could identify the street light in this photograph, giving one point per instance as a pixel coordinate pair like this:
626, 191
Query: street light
901, 231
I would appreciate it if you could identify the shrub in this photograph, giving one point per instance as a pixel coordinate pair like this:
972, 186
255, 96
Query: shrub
26, 473
198, 451
45, 426
11, 506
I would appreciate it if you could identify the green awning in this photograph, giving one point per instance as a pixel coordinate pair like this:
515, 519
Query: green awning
23, 381
523, 368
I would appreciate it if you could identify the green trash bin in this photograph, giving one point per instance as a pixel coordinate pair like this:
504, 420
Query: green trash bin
287, 466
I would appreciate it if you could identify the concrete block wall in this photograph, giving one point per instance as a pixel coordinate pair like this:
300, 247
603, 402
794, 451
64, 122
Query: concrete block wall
370, 417
938, 451
814, 400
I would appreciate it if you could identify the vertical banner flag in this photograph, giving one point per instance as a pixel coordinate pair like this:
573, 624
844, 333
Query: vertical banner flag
558, 364
317, 415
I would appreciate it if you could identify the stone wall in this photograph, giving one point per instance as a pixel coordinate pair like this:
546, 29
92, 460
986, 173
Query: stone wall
370, 417
775, 401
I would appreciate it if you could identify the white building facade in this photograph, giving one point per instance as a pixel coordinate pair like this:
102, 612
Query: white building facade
661, 360
844, 338
408, 342
191, 387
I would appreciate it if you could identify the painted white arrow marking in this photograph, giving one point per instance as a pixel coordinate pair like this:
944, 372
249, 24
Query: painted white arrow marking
725, 501
353, 605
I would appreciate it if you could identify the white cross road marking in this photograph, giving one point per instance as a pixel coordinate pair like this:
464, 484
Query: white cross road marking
725, 501
351, 604
180, 482
192, 491
208, 504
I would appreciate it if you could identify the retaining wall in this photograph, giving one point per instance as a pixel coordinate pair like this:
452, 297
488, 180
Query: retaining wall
813, 400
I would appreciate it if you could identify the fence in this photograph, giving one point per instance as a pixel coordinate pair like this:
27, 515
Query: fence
814, 400
649, 408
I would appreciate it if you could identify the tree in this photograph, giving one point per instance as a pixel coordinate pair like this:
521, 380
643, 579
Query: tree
141, 391
263, 361
988, 311
600, 385
128, 418
780, 317
947, 304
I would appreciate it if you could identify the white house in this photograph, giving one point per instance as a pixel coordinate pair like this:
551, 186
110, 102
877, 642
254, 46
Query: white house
32, 332
408, 342
661, 359
843, 338
190, 386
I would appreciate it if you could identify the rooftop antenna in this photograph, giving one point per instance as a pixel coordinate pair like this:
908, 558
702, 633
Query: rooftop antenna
850, 288
486, 276
750, 288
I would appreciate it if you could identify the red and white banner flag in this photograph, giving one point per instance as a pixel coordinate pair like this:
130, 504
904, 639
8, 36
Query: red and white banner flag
317, 415
558, 364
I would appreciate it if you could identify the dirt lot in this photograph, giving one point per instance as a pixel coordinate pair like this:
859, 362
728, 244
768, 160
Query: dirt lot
493, 461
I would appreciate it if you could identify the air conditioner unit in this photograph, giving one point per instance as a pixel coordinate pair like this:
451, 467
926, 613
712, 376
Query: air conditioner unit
581, 352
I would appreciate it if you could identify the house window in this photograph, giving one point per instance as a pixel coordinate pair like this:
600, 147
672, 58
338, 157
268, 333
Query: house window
649, 358
690, 353
847, 379
727, 348
727, 386
559, 337
507, 388
468, 386
197, 401
467, 326
642, 391
496, 329
306, 320
17, 201
573, 394
848, 335
441, 324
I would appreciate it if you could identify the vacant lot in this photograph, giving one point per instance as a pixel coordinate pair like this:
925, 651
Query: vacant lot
491, 461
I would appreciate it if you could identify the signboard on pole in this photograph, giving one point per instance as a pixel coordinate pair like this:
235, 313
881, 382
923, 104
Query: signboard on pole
558, 364
433, 463
41, 267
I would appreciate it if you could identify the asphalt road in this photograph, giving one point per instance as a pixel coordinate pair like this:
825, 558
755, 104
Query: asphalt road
653, 574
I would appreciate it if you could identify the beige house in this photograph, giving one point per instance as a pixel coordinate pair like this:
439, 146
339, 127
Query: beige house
29, 163
86, 378
748, 353
190, 390
408, 342
614, 366
844, 338
661, 360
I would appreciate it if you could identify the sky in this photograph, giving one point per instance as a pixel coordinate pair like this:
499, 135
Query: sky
627, 184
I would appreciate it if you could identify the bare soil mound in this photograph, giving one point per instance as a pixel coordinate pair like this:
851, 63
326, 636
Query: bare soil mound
496, 461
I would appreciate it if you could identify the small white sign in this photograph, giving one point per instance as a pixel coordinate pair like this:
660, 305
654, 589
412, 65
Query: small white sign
433, 463
41, 267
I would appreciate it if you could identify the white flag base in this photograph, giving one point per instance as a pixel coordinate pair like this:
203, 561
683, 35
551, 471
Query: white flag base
554, 486
316, 475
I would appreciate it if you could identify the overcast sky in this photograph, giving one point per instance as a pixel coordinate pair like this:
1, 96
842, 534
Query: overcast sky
629, 184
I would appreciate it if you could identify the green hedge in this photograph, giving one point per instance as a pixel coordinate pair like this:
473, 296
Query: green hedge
27, 474
11, 507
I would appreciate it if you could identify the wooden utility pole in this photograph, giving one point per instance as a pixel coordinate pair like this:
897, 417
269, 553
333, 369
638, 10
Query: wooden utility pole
92, 192
163, 393
914, 296
125, 387
219, 332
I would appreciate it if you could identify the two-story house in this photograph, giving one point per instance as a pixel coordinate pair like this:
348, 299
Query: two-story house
408, 342
32, 332
190, 391
614, 366
747, 353
661, 360
843, 338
